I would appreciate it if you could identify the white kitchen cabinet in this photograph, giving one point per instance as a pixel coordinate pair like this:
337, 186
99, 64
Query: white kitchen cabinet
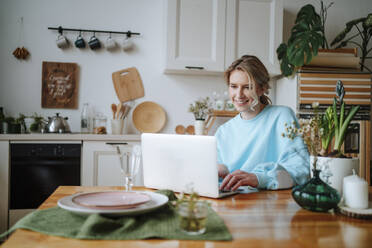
256, 28
101, 164
195, 36
205, 37
4, 185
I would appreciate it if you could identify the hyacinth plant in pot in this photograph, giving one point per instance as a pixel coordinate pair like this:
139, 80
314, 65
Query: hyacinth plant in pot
328, 165
201, 109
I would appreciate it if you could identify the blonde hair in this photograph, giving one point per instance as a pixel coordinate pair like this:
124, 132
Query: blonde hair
255, 70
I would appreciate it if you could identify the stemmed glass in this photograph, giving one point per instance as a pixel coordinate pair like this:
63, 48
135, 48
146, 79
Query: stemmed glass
129, 164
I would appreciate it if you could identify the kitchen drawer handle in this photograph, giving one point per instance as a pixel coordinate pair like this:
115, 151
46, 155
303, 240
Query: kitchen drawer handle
195, 67
116, 143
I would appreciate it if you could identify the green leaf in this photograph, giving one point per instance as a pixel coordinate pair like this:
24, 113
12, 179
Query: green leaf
342, 114
304, 42
281, 51
343, 33
368, 22
286, 68
300, 51
342, 131
308, 15
335, 118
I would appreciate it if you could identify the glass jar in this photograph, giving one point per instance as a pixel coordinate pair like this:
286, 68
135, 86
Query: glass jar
84, 122
99, 124
193, 217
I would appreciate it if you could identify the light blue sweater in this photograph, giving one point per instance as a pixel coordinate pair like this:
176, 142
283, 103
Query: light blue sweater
257, 146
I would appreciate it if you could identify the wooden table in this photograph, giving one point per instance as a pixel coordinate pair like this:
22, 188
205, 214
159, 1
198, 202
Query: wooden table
267, 218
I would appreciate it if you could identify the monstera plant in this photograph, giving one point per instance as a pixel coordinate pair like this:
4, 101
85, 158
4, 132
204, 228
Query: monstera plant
363, 27
305, 40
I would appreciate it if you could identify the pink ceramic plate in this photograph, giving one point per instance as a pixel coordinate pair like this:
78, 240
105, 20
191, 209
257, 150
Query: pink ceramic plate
111, 199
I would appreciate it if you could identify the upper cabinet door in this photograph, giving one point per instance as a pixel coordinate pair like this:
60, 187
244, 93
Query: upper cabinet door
195, 36
254, 27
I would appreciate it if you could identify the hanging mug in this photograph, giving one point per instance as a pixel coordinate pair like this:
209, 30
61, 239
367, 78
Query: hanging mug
110, 43
79, 42
62, 41
127, 44
94, 43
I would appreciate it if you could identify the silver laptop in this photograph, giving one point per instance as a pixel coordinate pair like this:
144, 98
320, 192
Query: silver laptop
181, 163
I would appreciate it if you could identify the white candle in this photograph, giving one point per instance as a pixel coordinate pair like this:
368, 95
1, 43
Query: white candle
355, 192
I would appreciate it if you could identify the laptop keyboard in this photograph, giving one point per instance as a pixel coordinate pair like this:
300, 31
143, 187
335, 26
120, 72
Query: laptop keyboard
224, 191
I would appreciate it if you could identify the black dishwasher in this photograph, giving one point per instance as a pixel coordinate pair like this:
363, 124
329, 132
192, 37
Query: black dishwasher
36, 170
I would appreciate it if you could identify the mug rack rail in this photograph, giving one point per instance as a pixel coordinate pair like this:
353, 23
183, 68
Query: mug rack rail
61, 29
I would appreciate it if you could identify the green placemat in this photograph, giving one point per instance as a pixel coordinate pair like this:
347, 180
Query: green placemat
161, 223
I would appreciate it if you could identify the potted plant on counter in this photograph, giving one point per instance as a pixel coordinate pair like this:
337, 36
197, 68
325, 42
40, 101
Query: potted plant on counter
15, 124
37, 124
201, 108
327, 163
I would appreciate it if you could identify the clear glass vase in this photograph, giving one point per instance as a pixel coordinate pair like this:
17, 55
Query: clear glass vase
316, 195
193, 217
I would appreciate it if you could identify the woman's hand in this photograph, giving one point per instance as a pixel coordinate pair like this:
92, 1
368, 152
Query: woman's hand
239, 178
222, 170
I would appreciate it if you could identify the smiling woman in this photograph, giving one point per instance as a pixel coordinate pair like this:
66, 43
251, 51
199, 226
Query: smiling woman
251, 150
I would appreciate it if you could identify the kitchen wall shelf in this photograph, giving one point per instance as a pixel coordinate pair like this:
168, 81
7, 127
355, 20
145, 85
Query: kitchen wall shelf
218, 113
61, 29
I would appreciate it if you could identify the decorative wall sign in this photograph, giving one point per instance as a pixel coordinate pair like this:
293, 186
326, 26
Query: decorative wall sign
59, 85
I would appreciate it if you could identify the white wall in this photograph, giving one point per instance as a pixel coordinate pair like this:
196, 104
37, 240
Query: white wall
20, 83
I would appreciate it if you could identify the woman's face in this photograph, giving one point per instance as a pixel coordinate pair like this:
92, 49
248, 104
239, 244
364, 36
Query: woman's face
243, 91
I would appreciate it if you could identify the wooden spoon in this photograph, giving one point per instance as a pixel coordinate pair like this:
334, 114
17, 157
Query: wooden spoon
113, 108
126, 111
120, 105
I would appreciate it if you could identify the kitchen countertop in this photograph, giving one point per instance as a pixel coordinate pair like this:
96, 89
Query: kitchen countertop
71, 136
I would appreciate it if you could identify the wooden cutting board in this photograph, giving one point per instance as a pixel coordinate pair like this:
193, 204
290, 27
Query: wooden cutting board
128, 84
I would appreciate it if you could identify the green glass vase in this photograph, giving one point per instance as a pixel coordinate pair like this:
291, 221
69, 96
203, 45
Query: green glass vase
316, 195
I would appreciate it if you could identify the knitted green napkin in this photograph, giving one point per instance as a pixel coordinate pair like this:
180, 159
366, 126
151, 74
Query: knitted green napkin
161, 223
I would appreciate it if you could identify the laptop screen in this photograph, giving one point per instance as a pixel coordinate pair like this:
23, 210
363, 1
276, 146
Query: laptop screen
180, 162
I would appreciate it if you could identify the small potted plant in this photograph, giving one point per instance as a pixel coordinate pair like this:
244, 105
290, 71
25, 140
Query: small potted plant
315, 194
37, 123
192, 213
14, 125
328, 163
201, 108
